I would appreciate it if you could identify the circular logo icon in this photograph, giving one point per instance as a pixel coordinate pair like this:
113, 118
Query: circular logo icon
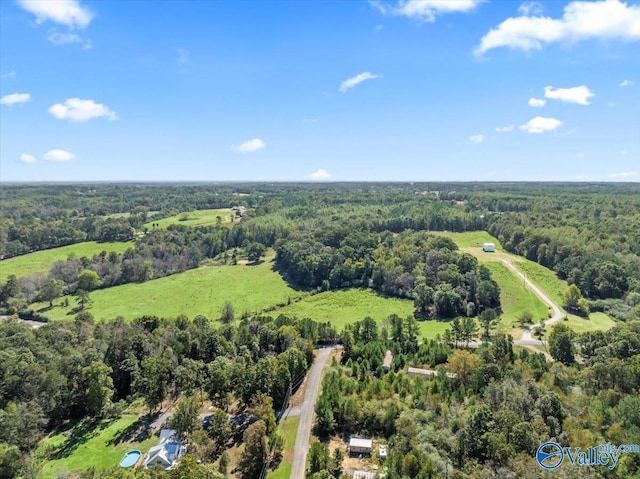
549, 455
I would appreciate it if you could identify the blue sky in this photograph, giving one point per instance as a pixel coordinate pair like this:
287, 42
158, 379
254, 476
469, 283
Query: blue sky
466, 90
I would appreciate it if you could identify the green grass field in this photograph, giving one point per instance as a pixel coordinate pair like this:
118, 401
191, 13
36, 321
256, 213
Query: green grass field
515, 297
41, 261
288, 429
347, 306
199, 291
84, 447
545, 279
470, 239
595, 322
194, 218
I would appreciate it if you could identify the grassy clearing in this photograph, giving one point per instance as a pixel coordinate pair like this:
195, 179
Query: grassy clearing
545, 279
41, 261
514, 296
199, 291
101, 446
430, 329
347, 306
595, 322
470, 239
194, 218
288, 429
515, 299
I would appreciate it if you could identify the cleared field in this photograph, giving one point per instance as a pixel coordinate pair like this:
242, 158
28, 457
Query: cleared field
288, 429
41, 261
347, 306
100, 446
470, 239
595, 322
194, 218
199, 291
545, 279
515, 299
514, 296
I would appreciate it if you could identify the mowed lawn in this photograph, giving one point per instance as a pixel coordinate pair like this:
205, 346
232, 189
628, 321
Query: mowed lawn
98, 446
199, 291
288, 429
41, 261
194, 218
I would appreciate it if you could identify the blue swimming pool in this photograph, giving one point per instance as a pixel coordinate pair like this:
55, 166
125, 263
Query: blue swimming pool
130, 459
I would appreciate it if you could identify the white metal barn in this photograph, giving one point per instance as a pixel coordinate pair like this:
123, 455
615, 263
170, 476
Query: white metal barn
488, 247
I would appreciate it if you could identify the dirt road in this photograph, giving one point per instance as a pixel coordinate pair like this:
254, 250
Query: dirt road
306, 414
555, 317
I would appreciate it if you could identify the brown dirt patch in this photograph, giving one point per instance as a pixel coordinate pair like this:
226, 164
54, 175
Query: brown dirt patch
364, 463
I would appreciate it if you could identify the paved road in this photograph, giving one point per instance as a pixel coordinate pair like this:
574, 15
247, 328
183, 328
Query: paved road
306, 415
557, 313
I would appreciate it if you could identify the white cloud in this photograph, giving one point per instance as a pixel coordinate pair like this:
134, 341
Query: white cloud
27, 158
476, 138
310, 120
425, 10
75, 109
530, 8
611, 104
540, 124
64, 12
15, 98
320, 174
625, 174
11, 74
249, 146
578, 94
59, 155
58, 38
623, 152
625, 83
537, 103
353, 81
504, 129
604, 19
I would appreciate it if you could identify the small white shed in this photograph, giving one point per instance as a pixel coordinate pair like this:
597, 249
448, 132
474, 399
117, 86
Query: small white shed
360, 446
488, 247
382, 452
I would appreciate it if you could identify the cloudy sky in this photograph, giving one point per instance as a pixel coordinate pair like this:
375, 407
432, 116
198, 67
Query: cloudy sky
319, 90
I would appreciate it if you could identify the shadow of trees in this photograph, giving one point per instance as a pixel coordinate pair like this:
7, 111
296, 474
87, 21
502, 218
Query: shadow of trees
79, 434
